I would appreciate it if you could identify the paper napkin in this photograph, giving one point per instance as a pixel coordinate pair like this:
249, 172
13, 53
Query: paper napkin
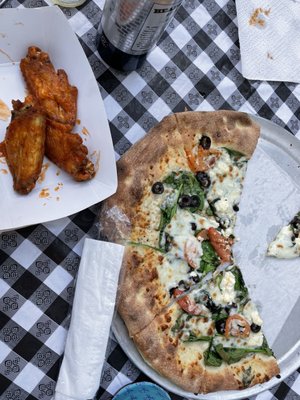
92, 313
269, 34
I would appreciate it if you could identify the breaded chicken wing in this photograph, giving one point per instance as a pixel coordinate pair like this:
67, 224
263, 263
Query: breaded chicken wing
24, 146
67, 150
51, 90
51, 93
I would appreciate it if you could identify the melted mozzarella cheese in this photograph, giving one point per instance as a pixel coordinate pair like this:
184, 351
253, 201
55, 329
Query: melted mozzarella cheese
198, 327
171, 271
224, 294
251, 314
283, 246
226, 186
253, 340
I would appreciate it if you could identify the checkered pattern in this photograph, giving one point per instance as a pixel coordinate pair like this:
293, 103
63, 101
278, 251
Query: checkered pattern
196, 66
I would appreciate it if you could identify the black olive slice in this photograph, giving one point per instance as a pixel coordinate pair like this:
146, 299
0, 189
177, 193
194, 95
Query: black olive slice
196, 278
184, 201
212, 306
193, 226
235, 208
220, 326
195, 201
204, 179
158, 188
205, 142
295, 223
255, 328
229, 307
171, 291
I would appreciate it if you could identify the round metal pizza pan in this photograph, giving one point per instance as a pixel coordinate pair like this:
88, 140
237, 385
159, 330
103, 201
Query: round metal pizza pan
284, 149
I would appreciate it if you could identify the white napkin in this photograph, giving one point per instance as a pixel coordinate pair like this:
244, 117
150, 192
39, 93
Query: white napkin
92, 313
269, 34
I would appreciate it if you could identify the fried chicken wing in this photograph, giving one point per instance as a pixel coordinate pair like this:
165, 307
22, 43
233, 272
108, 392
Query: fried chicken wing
24, 146
67, 150
51, 90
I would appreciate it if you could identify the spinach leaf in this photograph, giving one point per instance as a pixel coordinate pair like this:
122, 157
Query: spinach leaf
232, 355
247, 377
211, 357
239, 286
167, 214
188, 184
234, 154
209, 212
218, 280
145, 245
222, 314
266, 349
212, 208
209, 260
194, 338
179, 323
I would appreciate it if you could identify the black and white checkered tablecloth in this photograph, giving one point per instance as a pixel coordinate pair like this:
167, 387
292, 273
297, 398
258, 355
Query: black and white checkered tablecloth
196, 67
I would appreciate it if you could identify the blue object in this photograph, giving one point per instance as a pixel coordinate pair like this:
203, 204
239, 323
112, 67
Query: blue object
142, 391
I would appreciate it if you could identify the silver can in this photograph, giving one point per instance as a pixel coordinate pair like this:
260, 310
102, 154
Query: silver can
133, 27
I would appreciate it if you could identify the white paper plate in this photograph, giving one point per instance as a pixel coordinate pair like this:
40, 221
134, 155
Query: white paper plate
47, 28
284, 149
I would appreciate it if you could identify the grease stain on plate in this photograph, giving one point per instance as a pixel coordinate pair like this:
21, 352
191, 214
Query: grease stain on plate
259, 17
4, 111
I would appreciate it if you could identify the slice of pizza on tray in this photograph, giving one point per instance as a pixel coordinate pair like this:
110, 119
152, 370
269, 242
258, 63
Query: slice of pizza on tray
210, 339
287, 242
180, 293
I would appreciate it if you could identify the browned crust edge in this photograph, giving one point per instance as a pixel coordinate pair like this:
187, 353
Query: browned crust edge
232, 129
141, 297
136, 167
162, 355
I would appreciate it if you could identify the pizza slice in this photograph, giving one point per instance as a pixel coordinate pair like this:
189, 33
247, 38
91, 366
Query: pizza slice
194, 161
179, 187
218, 146
287, 242
210, 339
150, 275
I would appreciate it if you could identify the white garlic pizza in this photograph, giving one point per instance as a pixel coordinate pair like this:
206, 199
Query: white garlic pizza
182, 296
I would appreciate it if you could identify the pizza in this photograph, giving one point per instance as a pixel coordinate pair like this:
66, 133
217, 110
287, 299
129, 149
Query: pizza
287, 242
182, 296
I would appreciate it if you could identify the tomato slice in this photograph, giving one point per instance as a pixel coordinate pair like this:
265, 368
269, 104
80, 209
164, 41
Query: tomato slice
204, 159
189, 305
221, 244
191, 160
237, 326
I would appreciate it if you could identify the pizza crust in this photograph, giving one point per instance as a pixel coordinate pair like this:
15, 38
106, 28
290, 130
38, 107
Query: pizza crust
141, 296
235, 130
